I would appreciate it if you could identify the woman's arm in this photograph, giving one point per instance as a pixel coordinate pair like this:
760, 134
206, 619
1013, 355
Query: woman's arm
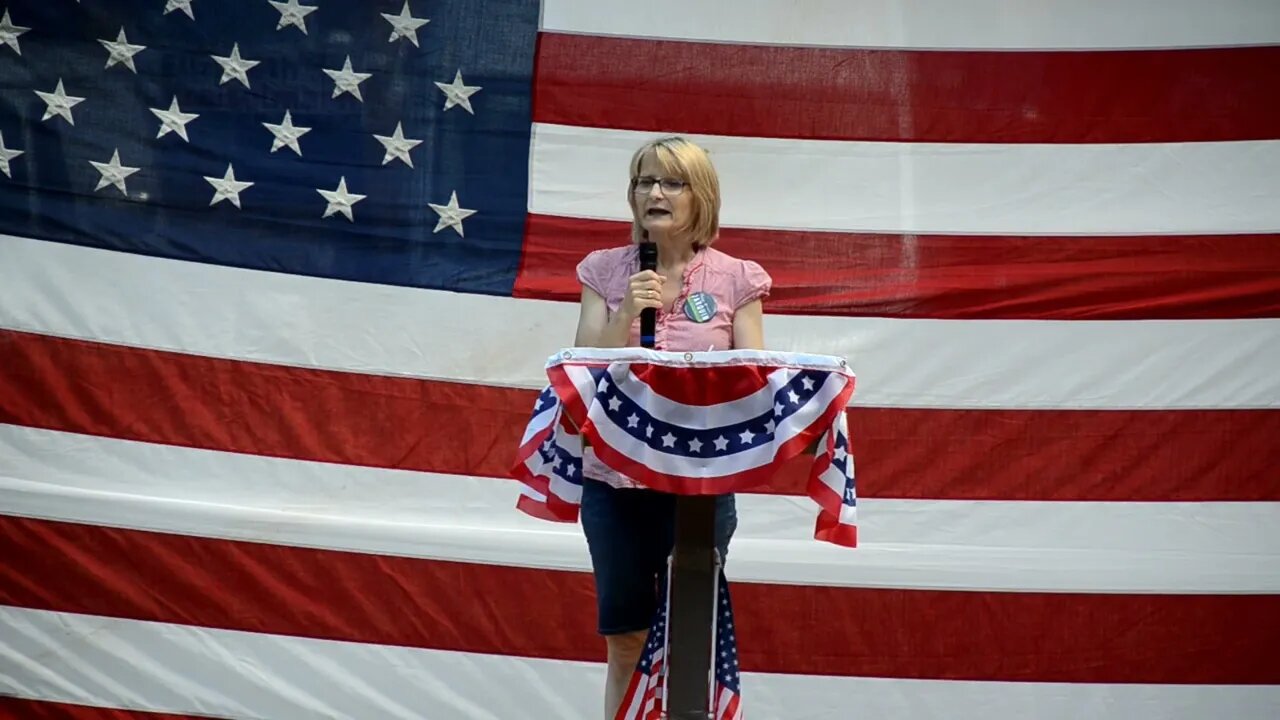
748, 326
596, 328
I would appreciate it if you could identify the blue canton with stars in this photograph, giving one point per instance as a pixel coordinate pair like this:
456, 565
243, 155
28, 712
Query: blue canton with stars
118, 175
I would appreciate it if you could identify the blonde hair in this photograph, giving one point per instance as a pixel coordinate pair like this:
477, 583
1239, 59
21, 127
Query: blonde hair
689, 162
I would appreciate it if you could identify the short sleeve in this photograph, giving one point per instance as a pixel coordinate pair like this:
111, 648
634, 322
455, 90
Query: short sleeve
593, 272
752, 283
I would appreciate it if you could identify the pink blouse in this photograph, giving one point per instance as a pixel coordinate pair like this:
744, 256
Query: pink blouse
730, 281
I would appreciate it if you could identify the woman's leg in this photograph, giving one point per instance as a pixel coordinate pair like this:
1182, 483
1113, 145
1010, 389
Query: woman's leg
625, 535
623, 653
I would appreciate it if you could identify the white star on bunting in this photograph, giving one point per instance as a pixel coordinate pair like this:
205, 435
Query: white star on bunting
227, 187
668, 440
347, 80
286, 133
9, 32
120, 51
807, 382
235, 67
59, 103
7, 154
398, 146
173, 120
183, 5
451, 215
745, 436
456, 93
614, 402
113, 173
404, 25
721, 442
340, 201
291, 13
695, 445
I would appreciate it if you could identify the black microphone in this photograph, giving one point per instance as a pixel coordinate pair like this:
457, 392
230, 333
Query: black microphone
648, 316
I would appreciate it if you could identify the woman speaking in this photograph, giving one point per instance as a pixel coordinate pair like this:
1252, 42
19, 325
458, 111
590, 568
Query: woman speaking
705, 300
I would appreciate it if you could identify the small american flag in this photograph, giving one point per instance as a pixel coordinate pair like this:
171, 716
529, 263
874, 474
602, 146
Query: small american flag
646, 694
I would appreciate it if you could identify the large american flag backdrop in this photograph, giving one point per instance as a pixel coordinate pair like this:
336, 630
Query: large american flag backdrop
278, 280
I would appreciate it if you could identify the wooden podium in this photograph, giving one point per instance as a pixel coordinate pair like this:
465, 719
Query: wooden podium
696, 425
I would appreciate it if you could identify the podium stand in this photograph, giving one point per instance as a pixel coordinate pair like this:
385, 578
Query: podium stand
695, 569
696, 425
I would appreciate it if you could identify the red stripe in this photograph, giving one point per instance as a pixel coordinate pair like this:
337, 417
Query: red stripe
957, 277
12, 708
908, 95
306, 592
361, 419
730, 383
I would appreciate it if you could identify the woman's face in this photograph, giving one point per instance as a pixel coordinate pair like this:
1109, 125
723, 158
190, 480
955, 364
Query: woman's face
664, 206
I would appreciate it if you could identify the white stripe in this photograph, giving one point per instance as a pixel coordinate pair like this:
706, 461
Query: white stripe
952, 188
1035, 24
159, 667
275, 317
1105, 547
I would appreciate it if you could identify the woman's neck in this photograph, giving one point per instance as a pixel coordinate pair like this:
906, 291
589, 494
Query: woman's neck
673, 251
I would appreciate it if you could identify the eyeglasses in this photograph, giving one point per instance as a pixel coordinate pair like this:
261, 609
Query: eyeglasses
670, 186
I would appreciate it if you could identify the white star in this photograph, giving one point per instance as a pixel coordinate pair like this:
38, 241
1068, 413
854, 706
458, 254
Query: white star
777, 408
695, 445
291, 13
9, 33
648, 431
235, 67
286, 133
614, 402
746, 436
456, 93
840, 454
404, 25
120, 51
721, 442
227, 187
807, 382
668, 440
7, 154
769, 426
113, 173
173, 120
792, 396
59, 103
632, 420
347, 80
183, 5
451, 215
340, 201
398, 146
